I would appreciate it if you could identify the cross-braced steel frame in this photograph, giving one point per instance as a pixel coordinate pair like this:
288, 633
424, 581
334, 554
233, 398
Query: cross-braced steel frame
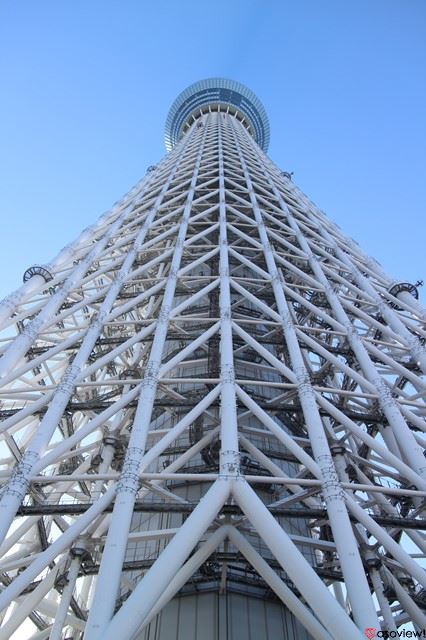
214, 349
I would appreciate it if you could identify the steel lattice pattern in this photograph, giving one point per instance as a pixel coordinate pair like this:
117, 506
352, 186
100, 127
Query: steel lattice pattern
212, 386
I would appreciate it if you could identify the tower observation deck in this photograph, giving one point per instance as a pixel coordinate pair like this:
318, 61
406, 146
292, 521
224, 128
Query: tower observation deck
217, 94
212, 412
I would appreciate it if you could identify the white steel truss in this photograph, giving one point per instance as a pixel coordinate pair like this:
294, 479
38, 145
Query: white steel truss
216, 351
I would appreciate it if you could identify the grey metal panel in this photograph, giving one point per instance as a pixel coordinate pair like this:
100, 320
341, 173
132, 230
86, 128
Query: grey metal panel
151, 631
222, 617
170, 622
206, 617
187, 619
256, 618
231, 616
274, 622
238, 618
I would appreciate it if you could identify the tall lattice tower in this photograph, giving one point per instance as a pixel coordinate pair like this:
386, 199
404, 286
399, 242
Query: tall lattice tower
213, 412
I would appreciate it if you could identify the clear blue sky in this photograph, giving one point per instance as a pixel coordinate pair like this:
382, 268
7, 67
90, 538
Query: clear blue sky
86, 86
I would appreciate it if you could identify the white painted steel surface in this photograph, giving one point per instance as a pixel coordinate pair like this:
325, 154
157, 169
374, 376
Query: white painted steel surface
213, 418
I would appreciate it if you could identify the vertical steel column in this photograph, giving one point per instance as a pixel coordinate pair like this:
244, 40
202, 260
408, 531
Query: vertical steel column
385, 609
411, 449
416, 614
23, 341
387, 541
62, 543
370, 263
9, 304
352, 567
115, 547
61, 613
18, 485
371, 558
417, 349
229, 452
334, 379
30, 602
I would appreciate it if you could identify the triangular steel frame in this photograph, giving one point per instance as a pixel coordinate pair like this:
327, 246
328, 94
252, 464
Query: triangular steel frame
214, 313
